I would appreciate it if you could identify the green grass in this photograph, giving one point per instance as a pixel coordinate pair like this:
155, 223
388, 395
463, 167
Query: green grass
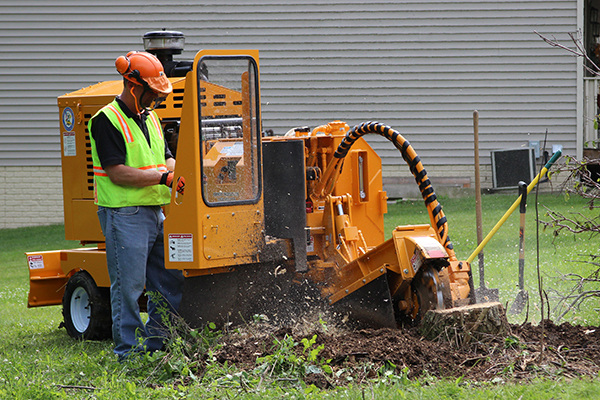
39, 361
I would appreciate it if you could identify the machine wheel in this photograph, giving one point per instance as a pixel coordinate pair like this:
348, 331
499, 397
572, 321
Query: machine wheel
427, 286
86, 308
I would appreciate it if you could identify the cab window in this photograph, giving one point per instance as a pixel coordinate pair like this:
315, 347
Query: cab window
229, 134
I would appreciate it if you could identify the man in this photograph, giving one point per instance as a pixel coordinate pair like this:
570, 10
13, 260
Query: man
132, 171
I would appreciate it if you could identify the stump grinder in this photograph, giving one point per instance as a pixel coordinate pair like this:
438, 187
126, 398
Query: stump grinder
277, 226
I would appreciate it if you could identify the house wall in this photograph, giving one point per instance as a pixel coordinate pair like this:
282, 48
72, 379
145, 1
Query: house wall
420, 66
30, 196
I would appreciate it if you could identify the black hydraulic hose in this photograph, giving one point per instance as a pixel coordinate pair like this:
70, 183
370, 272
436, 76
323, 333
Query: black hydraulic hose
436, 215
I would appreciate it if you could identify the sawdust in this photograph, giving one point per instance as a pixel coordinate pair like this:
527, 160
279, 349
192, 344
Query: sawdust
526, 353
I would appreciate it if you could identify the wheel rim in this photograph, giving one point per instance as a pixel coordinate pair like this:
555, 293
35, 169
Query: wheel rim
80, 309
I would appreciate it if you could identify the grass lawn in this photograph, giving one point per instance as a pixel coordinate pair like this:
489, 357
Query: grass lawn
39, 361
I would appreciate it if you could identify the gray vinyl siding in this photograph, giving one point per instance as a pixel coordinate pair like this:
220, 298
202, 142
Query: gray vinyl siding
420, 66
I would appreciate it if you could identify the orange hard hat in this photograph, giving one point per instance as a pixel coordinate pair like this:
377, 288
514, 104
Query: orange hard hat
142, 68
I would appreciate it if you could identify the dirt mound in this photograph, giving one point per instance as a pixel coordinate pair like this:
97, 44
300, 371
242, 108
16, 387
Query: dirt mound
526, 353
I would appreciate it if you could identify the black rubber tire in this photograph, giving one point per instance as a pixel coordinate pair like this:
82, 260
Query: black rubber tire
86, 308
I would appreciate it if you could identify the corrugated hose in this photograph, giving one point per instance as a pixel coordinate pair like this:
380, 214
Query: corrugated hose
434, 208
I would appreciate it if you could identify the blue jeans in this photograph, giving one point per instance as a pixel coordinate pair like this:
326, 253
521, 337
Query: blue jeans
135, 259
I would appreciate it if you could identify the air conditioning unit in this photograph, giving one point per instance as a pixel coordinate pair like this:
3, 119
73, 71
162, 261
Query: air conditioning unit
511, 166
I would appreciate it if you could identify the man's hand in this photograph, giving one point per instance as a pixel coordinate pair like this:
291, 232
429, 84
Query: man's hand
180, 187
167, 179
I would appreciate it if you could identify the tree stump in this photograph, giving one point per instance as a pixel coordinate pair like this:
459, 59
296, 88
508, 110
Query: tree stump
463, 324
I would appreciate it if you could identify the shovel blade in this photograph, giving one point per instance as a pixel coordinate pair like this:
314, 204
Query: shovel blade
519, 304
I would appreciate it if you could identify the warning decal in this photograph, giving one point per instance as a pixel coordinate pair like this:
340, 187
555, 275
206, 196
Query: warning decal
181, 247
69, 147
35, 262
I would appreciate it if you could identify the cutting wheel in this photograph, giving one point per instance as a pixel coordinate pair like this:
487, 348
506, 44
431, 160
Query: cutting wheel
426, 285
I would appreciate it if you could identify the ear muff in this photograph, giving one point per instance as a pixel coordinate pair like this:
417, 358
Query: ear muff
123, 64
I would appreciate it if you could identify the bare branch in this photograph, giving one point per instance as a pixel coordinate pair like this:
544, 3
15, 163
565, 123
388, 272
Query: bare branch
579, 224
583, 181
583, 288
554, 43
578, 52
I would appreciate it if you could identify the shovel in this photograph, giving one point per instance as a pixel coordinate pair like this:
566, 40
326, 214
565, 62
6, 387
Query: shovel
523, 296
482, 293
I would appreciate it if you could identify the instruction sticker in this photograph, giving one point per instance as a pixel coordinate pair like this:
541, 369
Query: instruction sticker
35, 262
69, 147
181, 247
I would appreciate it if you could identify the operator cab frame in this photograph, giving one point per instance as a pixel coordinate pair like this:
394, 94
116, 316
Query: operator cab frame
219, 222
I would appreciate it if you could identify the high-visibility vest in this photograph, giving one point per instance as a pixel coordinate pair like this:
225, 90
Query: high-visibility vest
138, 155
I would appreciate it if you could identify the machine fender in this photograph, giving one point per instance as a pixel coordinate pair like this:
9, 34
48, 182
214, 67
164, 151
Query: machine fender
46, 279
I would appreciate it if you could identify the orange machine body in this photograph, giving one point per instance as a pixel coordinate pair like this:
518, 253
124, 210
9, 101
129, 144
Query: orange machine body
249, 199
